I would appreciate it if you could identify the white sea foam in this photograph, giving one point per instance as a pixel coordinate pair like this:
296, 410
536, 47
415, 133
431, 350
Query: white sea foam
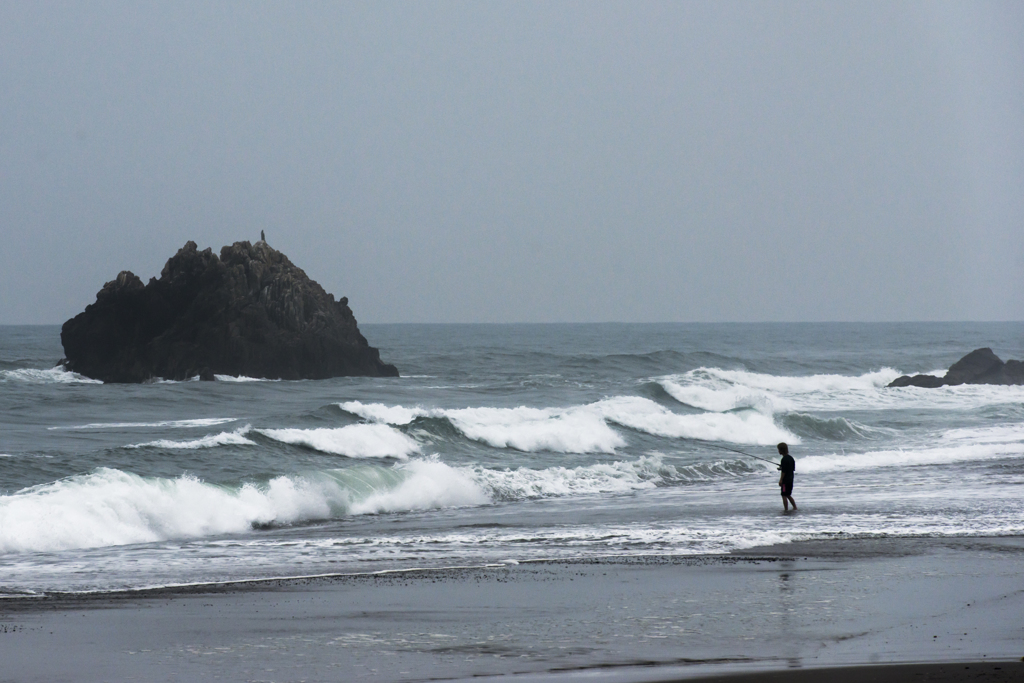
574, 430
718, 390
563, 430
171, 424
585, 428
427, 484
615, 477
719, 396
810, 384
242, 378
112, 507
641, 414
1000, 434
235, 438
568, 540
909, 457
54, 375
353, 441
379, 412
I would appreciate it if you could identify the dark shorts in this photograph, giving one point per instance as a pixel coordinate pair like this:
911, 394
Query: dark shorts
787, 487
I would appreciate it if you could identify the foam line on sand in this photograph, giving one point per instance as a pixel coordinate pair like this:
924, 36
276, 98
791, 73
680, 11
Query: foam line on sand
790, 609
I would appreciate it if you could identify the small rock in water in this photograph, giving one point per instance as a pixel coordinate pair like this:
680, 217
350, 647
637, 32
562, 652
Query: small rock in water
980, 366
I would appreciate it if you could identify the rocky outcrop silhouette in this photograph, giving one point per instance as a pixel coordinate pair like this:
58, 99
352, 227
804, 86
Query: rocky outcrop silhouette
249, 312
980, 366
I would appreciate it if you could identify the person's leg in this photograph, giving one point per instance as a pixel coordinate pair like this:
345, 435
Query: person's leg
787, 491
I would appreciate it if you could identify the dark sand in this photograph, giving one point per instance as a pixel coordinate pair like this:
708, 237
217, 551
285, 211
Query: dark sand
799, 612
949, 672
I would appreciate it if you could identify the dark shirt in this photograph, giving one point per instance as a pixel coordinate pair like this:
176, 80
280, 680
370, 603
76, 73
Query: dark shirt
788, 466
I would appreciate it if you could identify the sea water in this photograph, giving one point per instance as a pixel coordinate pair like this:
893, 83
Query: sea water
502, 444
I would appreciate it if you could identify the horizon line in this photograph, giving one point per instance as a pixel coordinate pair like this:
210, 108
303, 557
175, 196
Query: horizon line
650, 322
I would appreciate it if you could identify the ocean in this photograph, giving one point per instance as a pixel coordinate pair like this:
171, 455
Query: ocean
502, 444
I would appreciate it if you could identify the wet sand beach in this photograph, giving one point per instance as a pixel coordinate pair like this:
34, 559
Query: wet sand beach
769, 612
946, 672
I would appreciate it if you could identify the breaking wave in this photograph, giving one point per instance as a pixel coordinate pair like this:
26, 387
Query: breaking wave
644, 415
524, 429
172, 424
235, 438
111, 507
832, 428
585, 428
353, 441
720, 390
717, 390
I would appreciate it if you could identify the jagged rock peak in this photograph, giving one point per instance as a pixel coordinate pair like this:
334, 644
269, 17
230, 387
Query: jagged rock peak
250, 312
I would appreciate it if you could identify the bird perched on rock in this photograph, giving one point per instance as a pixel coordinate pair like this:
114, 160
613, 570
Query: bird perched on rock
263, 238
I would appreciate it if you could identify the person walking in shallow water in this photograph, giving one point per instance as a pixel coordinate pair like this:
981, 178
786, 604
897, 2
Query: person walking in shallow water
788, 469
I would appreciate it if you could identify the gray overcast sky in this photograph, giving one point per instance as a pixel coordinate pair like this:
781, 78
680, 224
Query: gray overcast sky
503, 162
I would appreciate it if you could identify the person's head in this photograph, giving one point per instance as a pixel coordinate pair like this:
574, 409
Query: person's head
783, 449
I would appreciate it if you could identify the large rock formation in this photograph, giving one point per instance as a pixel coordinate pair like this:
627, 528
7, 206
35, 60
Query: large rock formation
250, 312
980, 366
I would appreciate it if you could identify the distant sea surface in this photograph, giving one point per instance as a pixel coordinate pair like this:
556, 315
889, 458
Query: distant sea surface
502, 443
